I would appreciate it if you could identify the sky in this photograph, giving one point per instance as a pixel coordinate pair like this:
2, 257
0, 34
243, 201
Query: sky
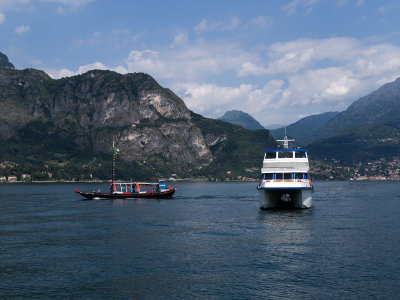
277, 60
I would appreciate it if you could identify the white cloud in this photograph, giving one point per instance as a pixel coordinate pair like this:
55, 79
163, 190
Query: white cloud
251, 69
6, 5
261, 22
382, 10
56, 74
205, 26
293, 79
300, 54
180, 39
69, 2
100, 66
12, 5
67, 5
233, 24
22, 29
28, 5
332, 72
257, 23
202, 26
292, 7
313, 75
18, 5
212, 100
189, 61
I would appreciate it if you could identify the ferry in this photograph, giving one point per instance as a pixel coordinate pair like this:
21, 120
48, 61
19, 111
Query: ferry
130, 190
284, 179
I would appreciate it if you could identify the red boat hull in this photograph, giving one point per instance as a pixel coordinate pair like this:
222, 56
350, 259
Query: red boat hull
155, 195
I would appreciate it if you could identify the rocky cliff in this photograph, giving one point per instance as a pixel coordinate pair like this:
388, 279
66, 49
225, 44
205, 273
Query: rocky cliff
4, 62
59, 121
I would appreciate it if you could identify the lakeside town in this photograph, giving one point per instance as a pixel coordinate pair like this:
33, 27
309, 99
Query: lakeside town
381, 169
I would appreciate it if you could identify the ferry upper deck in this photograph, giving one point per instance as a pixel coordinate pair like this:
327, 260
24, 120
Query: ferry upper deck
285, 161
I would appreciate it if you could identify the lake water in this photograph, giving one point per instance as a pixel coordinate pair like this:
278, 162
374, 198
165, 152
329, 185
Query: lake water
211, 241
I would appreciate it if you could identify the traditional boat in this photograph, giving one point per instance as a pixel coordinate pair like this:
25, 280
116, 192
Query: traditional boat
130, 190
285, 180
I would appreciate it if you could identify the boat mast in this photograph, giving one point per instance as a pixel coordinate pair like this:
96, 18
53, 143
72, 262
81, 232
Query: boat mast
115, 151
113, 162
285, 141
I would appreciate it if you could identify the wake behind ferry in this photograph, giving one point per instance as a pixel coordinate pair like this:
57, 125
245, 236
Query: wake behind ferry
285, 180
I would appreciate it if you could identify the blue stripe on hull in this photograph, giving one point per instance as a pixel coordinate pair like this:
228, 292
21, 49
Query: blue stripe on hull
286, 188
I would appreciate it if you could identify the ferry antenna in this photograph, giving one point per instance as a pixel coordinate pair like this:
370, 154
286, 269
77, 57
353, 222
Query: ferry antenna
285, 141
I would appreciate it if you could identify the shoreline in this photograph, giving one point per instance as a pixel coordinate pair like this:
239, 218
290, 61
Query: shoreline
108, 181
179, 180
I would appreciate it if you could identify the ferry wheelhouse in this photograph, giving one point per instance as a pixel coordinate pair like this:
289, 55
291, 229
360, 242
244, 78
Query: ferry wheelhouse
284, 178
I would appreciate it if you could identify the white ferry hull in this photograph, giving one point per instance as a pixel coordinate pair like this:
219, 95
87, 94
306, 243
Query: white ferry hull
297, 198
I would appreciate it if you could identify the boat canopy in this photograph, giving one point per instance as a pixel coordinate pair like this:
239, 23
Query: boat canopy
142, 183
160, 182
275, 150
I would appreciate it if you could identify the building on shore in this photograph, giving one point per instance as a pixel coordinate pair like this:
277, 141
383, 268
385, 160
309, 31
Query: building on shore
12, 178
25, 177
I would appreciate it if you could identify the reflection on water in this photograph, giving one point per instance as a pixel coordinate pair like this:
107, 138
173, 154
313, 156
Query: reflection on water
287, 238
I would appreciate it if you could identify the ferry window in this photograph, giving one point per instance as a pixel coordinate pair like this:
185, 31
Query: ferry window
268, 176
270, 155
279, 176
285, 154
300, 154
305, 176
298, 175
287, 175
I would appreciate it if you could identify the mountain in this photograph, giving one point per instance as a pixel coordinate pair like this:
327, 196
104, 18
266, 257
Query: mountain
4, 63
359, 143
241, 118
368, 130
63, 129
302, 131
380, 107
273, 126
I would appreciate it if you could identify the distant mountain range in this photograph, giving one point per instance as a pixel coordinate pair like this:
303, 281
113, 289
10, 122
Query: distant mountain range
368, 130
273, 126
242, 119
62, 129
303, 130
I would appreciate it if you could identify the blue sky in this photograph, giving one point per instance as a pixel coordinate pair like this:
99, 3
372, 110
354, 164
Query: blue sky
276, 60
